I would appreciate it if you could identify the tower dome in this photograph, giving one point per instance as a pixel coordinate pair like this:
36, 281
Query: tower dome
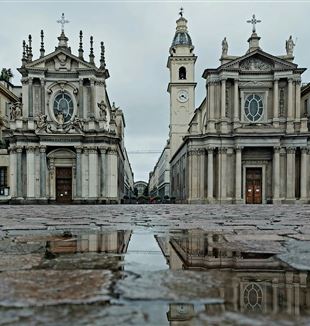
181, 36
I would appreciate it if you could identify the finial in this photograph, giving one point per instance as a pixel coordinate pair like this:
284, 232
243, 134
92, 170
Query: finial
253, 21
102, 58
81, 51
91, 55
30, 48
63, 21
42, 51
24, 59
181, 12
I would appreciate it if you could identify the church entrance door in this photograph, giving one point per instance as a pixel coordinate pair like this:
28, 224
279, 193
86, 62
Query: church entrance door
253, 185
63, 185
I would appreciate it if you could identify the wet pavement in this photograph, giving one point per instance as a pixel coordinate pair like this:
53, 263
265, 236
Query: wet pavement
155, 265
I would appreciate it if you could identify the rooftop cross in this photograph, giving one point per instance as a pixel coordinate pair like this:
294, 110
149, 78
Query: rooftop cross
63, 21
181, 12
253, 21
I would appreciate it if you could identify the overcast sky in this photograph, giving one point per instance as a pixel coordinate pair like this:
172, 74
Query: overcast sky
138, 35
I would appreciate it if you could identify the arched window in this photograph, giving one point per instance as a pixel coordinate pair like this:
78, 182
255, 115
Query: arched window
182, 73
253, 297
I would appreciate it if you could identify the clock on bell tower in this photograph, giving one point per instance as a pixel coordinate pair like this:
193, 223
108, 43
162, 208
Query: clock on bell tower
181, 64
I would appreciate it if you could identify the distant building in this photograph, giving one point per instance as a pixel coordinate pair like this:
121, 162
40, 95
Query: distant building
140, 188
65, 141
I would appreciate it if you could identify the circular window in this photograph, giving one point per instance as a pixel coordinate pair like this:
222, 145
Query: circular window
63, 107
253, 107
253, 297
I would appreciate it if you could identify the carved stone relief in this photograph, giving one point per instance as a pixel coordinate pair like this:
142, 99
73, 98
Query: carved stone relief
254, 64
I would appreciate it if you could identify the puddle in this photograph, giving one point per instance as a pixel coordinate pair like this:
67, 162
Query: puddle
184, 277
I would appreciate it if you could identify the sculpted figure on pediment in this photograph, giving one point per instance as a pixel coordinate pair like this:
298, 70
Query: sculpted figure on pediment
62, 62
254, 64
42, 123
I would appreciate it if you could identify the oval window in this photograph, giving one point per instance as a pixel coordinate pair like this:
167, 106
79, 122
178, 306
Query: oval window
253, 107
63, 107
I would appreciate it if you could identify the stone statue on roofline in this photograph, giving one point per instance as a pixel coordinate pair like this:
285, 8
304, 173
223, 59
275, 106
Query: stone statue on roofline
289, 45
224, 47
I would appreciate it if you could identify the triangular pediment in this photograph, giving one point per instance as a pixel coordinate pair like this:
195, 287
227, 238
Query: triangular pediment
259, 61
60, 60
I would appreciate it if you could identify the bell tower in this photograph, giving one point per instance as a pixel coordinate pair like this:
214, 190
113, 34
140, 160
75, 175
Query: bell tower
181, 87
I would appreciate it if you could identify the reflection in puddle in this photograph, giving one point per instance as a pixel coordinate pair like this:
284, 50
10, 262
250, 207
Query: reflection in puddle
185, 277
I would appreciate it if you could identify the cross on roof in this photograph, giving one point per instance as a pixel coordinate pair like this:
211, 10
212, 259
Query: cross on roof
63, 21
181, 12
253, 21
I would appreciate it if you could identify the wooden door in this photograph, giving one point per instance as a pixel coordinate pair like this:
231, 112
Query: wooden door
254, 186
63, 185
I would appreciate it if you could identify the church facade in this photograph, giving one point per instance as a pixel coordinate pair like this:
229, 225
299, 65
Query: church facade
64, 139
248, 141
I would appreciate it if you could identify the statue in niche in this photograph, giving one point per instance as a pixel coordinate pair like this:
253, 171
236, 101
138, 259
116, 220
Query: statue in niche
289, 45
102, 110
16, 111
224, 47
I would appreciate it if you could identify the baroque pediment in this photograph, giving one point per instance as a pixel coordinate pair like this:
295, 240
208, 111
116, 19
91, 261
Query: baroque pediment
259, 61
60, 60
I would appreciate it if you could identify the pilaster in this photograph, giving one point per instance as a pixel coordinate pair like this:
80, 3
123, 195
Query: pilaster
93, 172
43, 171
79, 171
276, 175
211, 120
290, 121
210, 174
304, 174
276, 103
238, 180
103, 169
236, 104
30, 157
222, 191
19, 179
290, 173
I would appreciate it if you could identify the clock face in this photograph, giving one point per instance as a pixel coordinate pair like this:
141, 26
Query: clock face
183, 96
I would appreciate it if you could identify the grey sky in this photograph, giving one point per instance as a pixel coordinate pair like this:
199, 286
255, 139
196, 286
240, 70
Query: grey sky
138, 35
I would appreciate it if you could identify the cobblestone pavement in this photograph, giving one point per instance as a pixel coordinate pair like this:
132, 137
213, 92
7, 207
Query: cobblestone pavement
260, 220
154, 264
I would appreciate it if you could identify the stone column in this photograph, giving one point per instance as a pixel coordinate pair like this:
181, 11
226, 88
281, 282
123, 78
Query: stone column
85, 176
81, 99
297, 100
13, 171
43, 171
236, 101
113, 173
276, 174
91, 99
290, 173
238, 181
30, 98
210, 174
275, 303
276, 102
103, 168
290, 124
42, 96
202, 173
78, 171
211, 122
52, 183
93, 172
296, 299
223, 98
19, 177
30, 171
223, 177
303, 173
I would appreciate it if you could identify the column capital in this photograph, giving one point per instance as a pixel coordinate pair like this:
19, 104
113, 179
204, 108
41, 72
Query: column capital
291, 150
85, 150
239, 148
30, 148
277, 149
297, 82
19, 148
290, 79
92, 150
201, 151
78, 149
223, 150
12, 149
304, 150
112, 151
30, 80
42, 81
42, 148
103, 149
210, 149
223, 80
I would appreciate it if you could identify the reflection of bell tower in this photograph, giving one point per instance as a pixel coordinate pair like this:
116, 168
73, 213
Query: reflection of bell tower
181, 64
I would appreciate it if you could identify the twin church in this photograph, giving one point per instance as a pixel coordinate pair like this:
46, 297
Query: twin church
248, 141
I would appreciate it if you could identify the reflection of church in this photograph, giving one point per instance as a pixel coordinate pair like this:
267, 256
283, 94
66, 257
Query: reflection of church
65, 139
250, 279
